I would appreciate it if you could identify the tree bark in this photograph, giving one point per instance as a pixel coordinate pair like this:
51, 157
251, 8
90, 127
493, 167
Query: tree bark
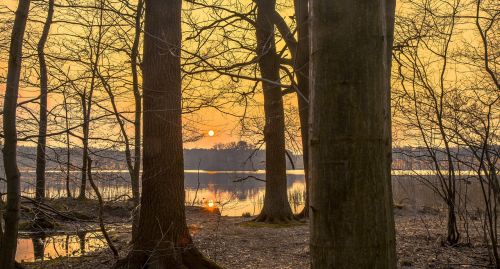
301, 67
42, 127
276, 206
163, 239
9, 238
351, 214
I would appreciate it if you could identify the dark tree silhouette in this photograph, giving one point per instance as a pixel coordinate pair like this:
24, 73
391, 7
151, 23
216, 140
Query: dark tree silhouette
301, 67
162, 239
8, 243
276, 207
352, 223
135, 175
42, 127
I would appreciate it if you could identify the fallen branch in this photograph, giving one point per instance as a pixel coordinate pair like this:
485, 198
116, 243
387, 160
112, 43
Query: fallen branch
241, 179
41, 205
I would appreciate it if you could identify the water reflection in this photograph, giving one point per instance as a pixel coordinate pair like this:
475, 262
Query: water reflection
45, 247
236, 198
232, 199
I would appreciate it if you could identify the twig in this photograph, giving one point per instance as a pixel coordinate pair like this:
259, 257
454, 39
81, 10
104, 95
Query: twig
53, 210
99, 197
198, 186
241, 179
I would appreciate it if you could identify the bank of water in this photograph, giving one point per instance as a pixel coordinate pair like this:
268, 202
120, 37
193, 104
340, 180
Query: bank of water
234, 193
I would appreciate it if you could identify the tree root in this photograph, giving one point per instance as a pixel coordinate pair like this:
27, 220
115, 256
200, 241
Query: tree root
284, 219
194, 259
190, 258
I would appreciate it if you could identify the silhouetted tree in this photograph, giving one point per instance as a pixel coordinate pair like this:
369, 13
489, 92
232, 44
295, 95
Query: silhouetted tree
301, 68
42, 125
134, 55
8, 243
163, 239
276, 206
424, 57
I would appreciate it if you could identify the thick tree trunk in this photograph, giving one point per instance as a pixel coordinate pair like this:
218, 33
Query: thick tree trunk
163, 239
351, 205
301, 67
276, 206
42, 128
9, 238
390, 13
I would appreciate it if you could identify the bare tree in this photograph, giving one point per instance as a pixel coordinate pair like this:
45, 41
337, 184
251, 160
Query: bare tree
276, 206
8, 243
96, 50
163, 238
301, 69
299, 52
42, 131
135, 177
475, 107
68, 145
424, 62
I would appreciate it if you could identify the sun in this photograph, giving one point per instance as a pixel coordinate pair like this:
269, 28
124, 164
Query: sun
211, 133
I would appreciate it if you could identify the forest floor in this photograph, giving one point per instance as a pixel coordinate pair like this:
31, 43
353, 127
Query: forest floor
236, 242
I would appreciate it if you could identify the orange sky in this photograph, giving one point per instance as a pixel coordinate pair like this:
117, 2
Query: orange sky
226, 127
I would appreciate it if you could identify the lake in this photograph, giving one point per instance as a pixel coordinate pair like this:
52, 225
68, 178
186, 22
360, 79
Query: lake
236, 198
215, 187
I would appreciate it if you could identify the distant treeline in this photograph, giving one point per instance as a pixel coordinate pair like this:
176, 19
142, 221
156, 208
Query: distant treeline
231, 156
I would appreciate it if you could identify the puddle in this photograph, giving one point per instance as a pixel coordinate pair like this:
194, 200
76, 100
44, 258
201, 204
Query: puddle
39, 247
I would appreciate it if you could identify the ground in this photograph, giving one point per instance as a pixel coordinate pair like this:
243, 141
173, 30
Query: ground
234, 242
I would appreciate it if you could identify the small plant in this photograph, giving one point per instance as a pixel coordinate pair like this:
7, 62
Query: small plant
246, 215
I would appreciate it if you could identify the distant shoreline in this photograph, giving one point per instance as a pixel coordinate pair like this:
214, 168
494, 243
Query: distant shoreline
394, 172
